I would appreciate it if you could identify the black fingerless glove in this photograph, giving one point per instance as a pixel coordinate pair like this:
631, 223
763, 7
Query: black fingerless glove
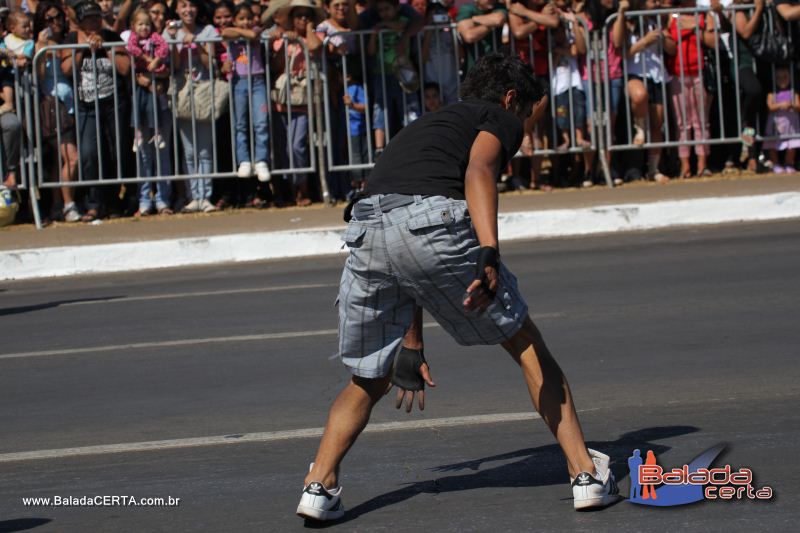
405, 370
487, 257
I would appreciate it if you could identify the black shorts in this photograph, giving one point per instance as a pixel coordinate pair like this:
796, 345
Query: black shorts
655, 91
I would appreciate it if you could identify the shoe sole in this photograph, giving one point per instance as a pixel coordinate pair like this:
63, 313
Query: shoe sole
311, 513
596, 503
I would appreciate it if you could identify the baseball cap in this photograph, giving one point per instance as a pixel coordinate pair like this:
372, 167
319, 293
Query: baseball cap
86, 8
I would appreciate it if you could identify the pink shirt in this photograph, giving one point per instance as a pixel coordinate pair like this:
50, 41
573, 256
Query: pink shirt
612, 56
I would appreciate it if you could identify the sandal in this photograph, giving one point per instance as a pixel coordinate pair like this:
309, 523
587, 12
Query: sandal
704, 173
165, 211
658, 177
89, 216
303, 202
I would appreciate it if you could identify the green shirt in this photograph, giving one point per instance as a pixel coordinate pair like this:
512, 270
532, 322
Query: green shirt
492, 41
390, 40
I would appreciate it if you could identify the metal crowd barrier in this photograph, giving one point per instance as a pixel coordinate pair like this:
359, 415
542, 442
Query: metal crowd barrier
124, 91
444, 39
725, 51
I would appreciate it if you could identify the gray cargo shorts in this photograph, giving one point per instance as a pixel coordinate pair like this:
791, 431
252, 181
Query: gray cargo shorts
424, 252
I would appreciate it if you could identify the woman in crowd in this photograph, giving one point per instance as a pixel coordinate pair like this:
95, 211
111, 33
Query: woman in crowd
691, 103
50, 27
304, 16
647, 77
94, 70
341, 18
529, 22
192, 60
747, 24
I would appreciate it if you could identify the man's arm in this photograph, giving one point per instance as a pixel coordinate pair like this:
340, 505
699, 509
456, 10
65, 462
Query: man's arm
480, 188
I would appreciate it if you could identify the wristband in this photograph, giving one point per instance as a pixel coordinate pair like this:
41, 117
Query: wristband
405, 369
487, 257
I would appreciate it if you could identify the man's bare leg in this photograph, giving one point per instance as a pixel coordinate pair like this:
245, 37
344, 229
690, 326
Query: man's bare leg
551, 395
347, 419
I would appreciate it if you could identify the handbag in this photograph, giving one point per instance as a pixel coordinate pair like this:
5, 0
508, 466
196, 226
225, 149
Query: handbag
202, 93
289, 88
771, 43
52, 127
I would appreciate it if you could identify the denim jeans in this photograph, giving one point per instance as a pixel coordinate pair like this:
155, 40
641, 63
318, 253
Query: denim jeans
198, 145
93, 130
293, 137
249, 108
148, 167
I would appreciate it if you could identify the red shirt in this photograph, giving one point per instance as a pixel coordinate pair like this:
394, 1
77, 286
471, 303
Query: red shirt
538, 43
688, 56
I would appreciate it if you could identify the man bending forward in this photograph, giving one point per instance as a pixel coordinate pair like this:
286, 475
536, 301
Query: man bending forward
427, 233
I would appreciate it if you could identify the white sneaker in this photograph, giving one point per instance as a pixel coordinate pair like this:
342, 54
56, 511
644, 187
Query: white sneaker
595, 491
192, 207
71, 213
262, 171
245, 170
207, 207
319, 503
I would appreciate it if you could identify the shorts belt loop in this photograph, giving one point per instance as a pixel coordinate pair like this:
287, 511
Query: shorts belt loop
376, 204
417, 198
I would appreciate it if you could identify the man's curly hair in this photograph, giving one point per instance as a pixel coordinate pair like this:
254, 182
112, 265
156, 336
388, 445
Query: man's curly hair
495, 74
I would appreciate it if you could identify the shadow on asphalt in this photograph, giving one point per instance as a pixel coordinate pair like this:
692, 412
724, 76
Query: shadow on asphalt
22, 524
534, 467
49, 305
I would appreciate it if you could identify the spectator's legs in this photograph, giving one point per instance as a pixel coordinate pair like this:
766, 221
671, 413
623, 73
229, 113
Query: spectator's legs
69, 170
89, 162
700, 122
9, 123
751, 100
656, 136
145, 152
681, 101
241, 101
260, 118
297, 140
639, 107
200, 188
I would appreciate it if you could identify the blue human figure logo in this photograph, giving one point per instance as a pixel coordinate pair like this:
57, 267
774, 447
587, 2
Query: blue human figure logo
634, 462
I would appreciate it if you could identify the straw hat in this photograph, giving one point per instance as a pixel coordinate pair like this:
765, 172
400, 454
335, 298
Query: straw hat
319, 13
274, 6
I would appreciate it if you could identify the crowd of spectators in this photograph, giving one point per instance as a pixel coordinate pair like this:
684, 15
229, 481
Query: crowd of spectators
380, 78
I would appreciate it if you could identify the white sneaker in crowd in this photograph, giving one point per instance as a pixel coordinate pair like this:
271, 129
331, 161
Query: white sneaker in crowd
71, 213
598, 489
245, 170
262, 171
192, 207
207, 207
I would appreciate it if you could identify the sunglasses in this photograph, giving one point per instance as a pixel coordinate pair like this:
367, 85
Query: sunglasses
157, 12
303, 15
54, 18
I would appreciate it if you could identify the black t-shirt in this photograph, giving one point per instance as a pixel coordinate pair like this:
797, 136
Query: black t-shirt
101, 88
430, 156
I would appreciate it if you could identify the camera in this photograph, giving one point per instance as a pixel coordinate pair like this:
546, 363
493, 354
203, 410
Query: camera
438, 11
175, 24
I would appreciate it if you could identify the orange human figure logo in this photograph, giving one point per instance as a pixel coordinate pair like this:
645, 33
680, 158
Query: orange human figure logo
649, 490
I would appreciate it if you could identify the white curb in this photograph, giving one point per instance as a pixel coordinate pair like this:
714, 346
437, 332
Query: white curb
132, 256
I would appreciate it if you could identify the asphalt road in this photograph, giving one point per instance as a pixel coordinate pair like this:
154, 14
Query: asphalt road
673, 341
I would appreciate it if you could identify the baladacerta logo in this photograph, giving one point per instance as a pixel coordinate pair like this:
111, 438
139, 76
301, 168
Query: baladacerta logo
654, 485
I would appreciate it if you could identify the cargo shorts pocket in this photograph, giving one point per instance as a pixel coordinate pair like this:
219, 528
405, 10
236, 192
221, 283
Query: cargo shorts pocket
433, 218
354, 235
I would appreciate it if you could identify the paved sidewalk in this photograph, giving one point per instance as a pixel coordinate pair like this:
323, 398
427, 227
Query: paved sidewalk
248, 235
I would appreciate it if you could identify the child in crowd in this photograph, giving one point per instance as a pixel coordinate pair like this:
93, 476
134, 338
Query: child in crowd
150, 52
18, 42
783, 120
249, 93
355, 99
647, 77
567, 86
433, 97
690, 101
